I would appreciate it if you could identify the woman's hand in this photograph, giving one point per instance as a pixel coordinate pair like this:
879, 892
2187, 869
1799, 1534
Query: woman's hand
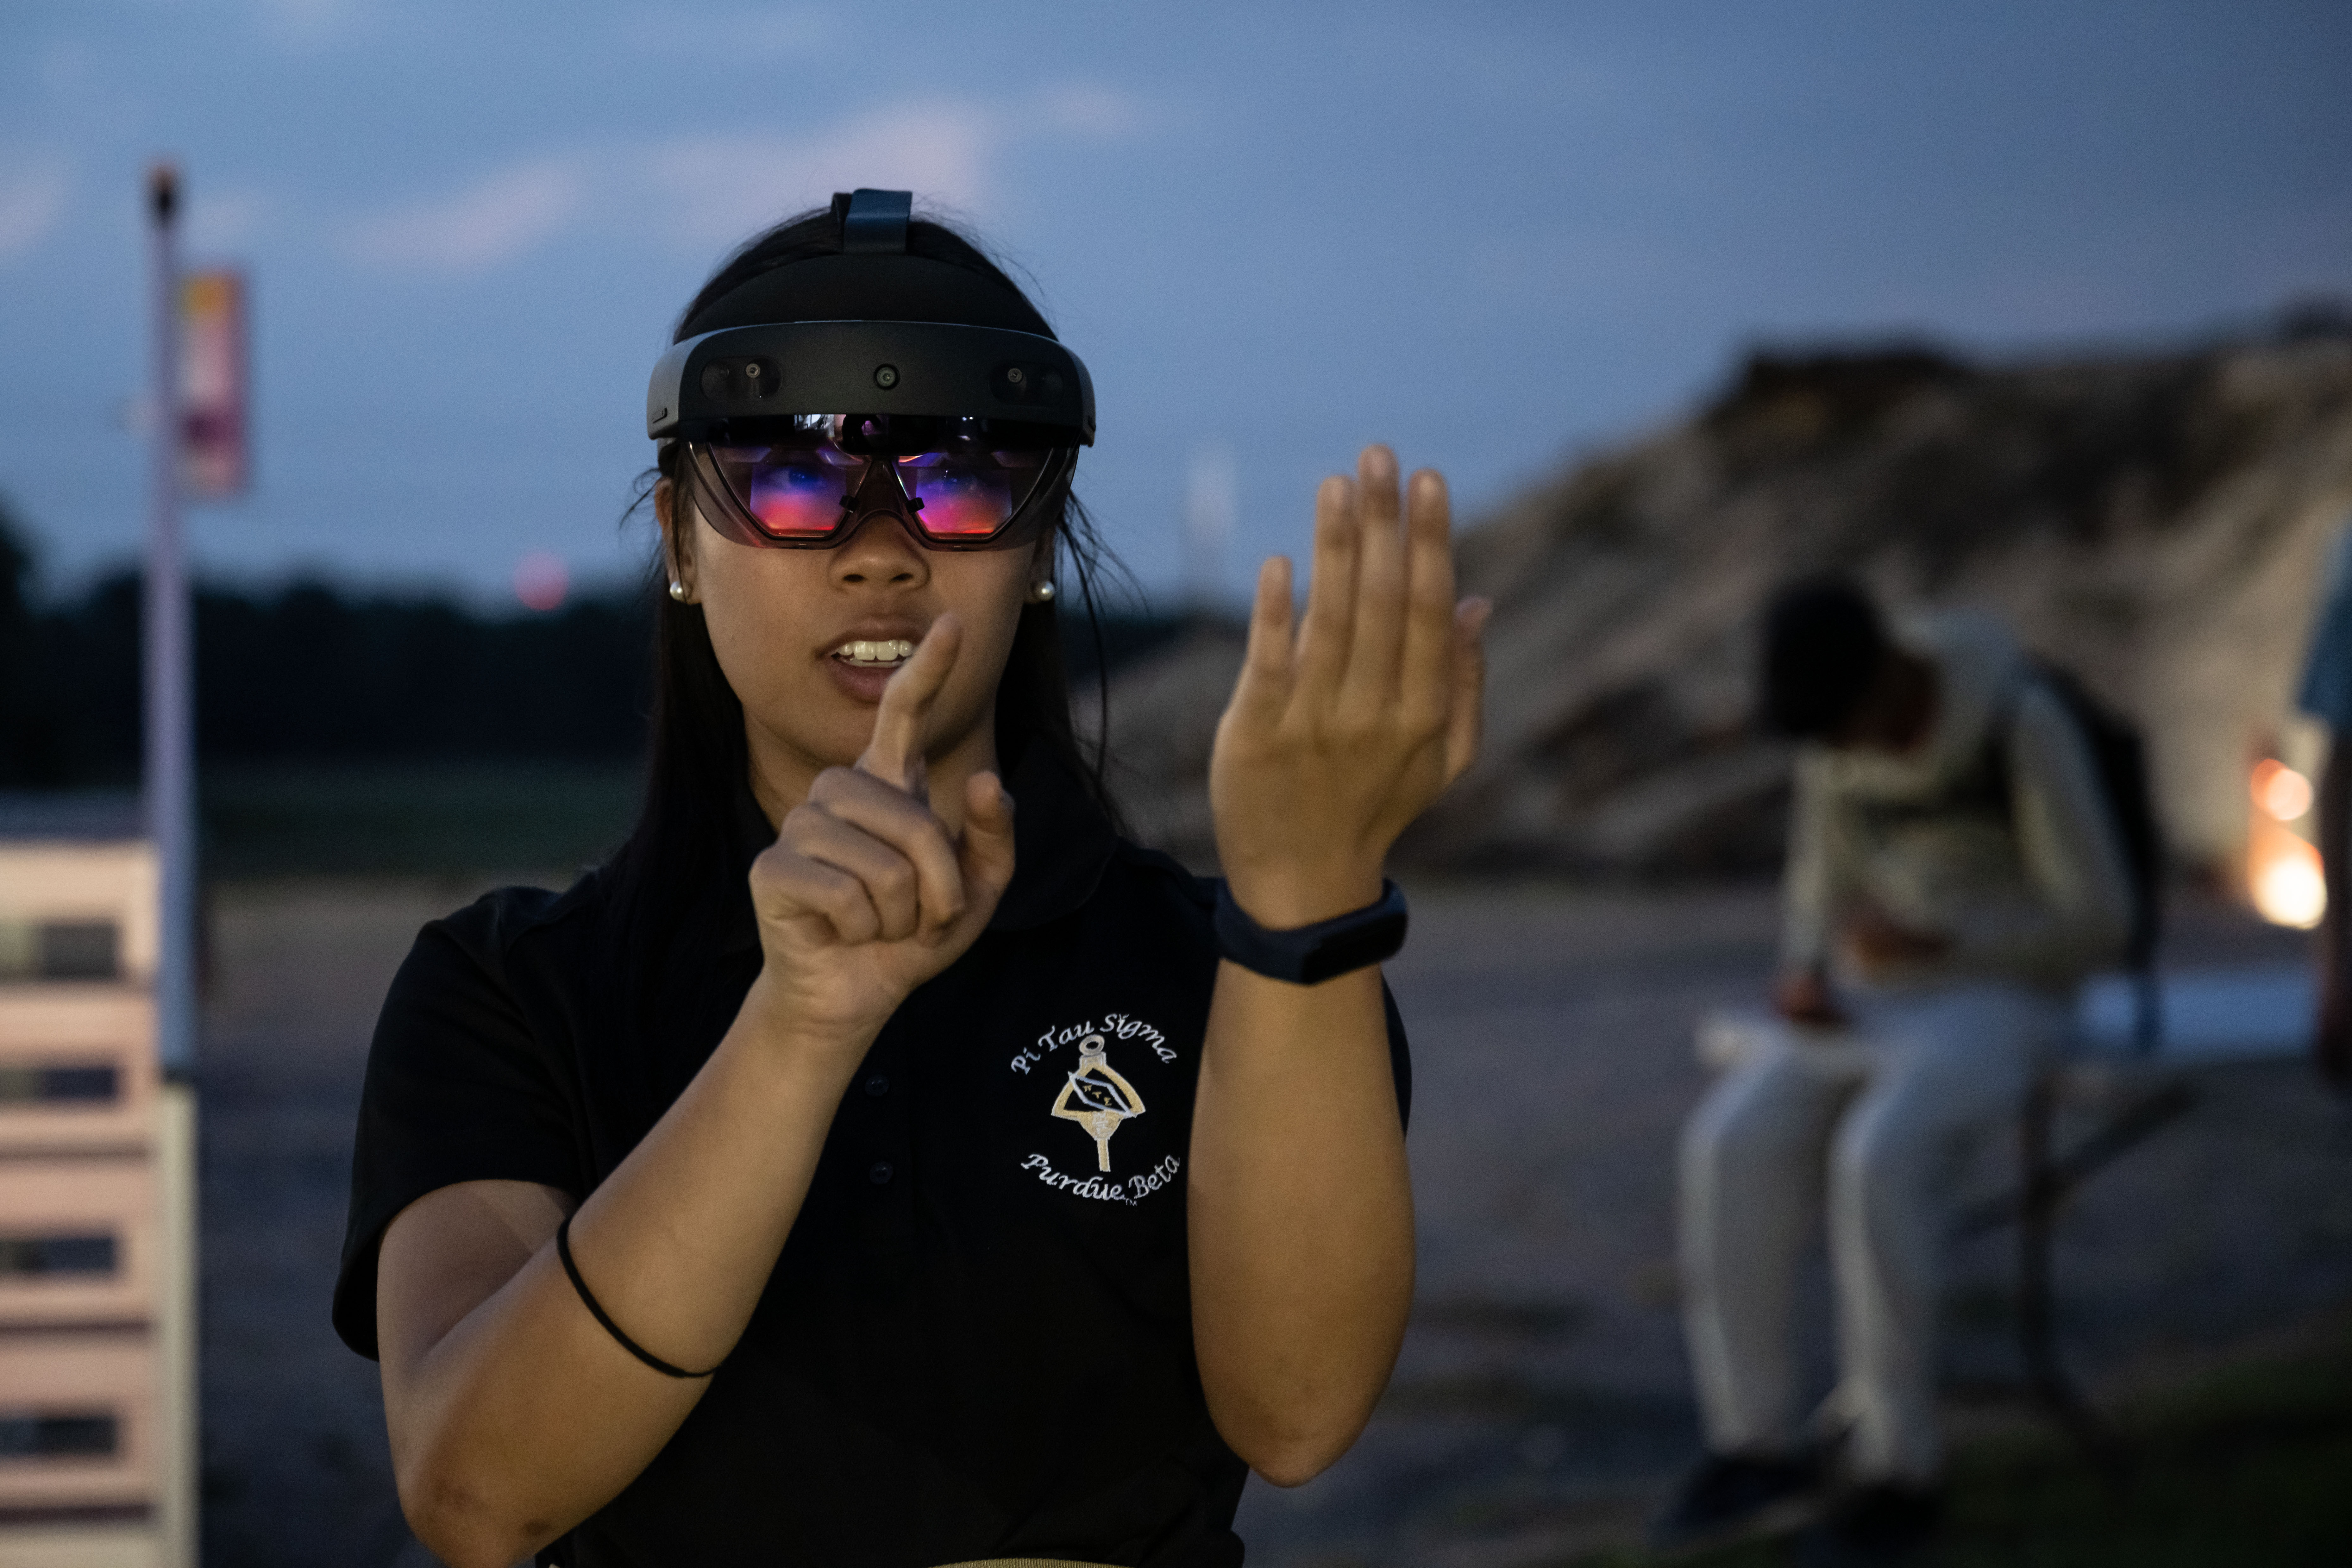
1339, 736
866, 894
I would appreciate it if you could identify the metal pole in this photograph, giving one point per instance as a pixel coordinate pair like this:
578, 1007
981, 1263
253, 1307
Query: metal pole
170, 772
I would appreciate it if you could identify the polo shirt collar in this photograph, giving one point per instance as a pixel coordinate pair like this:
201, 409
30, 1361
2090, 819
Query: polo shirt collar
1061, 843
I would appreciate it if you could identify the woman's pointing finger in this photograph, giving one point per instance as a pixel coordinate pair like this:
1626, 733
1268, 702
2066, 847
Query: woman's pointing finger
894, 755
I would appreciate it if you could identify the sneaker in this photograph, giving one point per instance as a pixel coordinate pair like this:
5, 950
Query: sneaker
1873, 1526
1730, 1495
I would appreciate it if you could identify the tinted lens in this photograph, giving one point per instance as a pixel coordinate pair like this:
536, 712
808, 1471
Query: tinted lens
792, 492
968, 495
965, 480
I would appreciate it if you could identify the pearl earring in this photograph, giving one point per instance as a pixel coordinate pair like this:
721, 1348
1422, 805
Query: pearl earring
678, 590
1041, 593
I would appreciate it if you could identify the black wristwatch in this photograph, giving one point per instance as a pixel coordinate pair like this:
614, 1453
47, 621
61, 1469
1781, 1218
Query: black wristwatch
1307, 955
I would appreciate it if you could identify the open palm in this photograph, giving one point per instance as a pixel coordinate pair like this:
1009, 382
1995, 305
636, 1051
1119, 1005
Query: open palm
1344, 728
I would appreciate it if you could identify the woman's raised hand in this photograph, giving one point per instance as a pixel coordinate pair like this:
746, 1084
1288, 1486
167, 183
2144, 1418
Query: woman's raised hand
866, 894
1342, 731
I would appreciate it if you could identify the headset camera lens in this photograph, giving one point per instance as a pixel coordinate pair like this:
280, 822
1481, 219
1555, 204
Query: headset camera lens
886, 376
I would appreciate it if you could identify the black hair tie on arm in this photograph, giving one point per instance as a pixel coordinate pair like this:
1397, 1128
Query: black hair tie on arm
571, 1271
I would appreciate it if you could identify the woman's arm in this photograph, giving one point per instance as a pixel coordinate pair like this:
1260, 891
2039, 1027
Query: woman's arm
1301, 1213
513, 1414
1300, 1200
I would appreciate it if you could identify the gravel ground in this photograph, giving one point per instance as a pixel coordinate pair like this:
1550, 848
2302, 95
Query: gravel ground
1542, 1398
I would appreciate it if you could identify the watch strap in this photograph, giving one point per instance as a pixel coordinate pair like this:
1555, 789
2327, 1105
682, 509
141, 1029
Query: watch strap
1309, 954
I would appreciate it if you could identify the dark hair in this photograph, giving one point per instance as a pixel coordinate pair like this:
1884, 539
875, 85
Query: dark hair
697, 763
1823, 643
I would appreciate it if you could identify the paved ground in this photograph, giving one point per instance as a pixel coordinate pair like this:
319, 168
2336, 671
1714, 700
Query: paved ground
1541, 1399
295, 1465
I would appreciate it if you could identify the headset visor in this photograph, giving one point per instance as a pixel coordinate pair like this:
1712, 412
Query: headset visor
805, 480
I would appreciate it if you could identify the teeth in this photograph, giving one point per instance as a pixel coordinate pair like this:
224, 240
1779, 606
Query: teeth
887, 650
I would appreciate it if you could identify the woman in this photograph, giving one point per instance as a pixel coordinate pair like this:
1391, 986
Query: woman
876, 1165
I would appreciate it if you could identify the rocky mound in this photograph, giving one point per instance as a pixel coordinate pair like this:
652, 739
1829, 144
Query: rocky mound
2158, 523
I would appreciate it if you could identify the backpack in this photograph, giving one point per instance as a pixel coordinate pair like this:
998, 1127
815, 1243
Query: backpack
2119, 760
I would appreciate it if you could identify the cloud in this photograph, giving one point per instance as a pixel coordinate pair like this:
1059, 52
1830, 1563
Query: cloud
32, 200
698, 191
721, 188
496, 219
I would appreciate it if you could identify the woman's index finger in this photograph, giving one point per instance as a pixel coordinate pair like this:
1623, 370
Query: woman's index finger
894, 755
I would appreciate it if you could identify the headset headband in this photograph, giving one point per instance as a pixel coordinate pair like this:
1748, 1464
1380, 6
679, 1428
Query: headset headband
870, 331
872, 280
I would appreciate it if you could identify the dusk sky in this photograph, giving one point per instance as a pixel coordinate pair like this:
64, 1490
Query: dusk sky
1496, 235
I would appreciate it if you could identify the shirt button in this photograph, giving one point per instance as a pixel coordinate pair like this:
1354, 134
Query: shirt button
881, 1174
878, 1085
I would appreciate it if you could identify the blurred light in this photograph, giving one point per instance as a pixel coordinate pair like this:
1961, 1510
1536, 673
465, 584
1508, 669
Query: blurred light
2283, 876
540, 581
2280, 790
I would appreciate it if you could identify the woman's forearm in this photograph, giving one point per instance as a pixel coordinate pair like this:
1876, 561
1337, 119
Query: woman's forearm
1300, 1209
523, 1416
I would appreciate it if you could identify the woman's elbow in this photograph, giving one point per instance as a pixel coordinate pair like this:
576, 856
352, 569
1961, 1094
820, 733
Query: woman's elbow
1295, 1466
464, 1528
1294, 1453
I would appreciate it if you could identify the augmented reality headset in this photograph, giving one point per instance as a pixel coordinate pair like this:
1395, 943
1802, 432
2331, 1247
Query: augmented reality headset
796, 431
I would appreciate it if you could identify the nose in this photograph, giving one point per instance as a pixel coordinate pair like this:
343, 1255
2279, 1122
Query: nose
881, 547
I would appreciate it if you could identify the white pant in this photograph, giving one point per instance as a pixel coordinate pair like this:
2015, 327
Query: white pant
1884, 1112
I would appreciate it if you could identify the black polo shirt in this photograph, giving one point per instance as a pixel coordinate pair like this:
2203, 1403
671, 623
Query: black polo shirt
978, 1341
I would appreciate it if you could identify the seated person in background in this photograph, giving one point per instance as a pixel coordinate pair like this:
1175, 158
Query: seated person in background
1952, 856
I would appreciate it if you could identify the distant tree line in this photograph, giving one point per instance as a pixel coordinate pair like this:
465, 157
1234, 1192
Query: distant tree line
311, 673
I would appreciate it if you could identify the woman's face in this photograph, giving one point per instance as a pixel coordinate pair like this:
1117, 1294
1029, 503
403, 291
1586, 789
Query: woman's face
806, 638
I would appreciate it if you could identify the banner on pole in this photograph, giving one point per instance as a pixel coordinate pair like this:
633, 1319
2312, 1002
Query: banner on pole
214, 460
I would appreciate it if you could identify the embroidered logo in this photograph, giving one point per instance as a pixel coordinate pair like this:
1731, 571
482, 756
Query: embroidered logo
1096, 1097
1130, 1192
1114, 1026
